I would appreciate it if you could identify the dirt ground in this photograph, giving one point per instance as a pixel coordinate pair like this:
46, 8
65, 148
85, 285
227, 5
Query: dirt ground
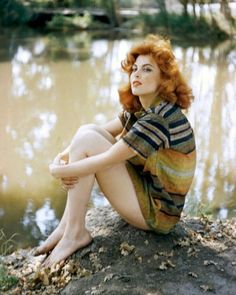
197, 257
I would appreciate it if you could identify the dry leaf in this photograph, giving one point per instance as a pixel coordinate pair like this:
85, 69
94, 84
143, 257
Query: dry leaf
193, 274
108, 277
84, 272
126, 249
209, 262
192, 252
206, 288
184, 242
166, 254
155, 257
140, 259
169, 263
163, 266
101, 250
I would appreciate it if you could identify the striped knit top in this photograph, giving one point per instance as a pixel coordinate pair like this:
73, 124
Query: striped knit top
163, 140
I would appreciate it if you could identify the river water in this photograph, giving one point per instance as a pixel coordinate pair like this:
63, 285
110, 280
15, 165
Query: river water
52, 84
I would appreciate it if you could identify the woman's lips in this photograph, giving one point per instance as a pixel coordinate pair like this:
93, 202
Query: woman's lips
136, 83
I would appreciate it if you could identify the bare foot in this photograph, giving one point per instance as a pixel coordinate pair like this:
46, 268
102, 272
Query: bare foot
51, 241
67, 246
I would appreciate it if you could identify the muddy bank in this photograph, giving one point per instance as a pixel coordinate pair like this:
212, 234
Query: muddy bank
197, 257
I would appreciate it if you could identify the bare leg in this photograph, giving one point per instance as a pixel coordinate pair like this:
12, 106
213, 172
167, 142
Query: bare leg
122, 197
57, 234
54, 237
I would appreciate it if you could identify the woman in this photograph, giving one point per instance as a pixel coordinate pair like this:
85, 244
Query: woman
147, 172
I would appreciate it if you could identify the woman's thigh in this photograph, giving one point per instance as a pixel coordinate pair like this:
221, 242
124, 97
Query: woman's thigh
117, 186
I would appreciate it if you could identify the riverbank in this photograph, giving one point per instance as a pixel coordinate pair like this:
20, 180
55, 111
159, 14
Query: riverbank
208, 24
169, 24
197, 257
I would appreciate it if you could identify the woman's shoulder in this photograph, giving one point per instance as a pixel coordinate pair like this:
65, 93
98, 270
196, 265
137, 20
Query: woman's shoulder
166, 109
168, 114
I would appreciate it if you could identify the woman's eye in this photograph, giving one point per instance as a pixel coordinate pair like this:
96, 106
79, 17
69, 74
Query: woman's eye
134, 69
147, 70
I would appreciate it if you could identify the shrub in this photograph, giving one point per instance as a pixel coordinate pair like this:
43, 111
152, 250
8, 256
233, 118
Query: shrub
13, 12
193, 28
59, 22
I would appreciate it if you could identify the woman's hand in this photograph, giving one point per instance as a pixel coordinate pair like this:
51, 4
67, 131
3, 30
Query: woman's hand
69, 182
60, 160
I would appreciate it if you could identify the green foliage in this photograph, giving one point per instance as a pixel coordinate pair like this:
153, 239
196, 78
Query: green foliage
191, 27
13, 12
6, 281
60, 22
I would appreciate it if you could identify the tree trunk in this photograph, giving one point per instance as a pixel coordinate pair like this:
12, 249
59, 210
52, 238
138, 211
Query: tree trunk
162, 6
113, 8
194, 8
185, 6
225, 9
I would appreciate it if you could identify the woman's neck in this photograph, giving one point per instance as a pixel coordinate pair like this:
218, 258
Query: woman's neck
147, 100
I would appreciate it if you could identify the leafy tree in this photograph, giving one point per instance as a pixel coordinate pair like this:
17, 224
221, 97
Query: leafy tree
13, 12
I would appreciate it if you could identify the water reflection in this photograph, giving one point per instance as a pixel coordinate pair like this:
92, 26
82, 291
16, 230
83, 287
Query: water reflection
213, 116
41, 221
53, 84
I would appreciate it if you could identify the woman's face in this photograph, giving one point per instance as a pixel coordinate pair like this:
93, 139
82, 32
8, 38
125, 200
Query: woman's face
145, 76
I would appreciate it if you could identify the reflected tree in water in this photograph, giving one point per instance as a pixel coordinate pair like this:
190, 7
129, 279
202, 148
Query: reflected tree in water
214, 184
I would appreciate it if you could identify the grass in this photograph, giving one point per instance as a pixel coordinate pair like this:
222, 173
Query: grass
6, 281
7, 245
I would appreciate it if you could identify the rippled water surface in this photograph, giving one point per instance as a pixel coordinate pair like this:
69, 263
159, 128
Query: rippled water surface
52, 84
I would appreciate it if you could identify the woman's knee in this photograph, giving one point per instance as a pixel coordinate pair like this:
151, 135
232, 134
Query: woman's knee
89, 142
100, 130
82, 133
82, 139
87, 127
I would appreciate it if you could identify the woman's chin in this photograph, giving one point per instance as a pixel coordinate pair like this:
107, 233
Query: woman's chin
136, 92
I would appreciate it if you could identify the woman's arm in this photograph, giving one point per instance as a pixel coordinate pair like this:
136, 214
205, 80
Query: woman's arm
114, 127
64, 155
118, 153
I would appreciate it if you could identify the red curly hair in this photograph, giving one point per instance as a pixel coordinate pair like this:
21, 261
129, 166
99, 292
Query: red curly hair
172, 86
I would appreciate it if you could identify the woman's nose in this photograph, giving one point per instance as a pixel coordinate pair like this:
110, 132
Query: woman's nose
137, 74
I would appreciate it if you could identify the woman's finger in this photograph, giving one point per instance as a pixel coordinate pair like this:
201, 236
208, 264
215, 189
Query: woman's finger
69, 182
57, 159
70, 178
67, 187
